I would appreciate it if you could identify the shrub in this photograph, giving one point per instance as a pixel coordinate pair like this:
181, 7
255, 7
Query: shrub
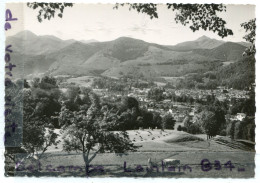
194, 129
184, 129
179, 128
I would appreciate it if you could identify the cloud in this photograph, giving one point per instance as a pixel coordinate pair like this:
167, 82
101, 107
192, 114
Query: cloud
143, 29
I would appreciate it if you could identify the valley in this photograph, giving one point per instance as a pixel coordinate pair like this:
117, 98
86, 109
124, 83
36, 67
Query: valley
121, 57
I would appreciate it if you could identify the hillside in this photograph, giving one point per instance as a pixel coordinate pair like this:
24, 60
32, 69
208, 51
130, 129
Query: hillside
201, 43
27, 43
238, 75
123, 56
226, 52
158, 62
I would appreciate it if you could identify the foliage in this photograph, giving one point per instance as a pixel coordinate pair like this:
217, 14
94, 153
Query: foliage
223, 132
197, 16
238, 75
194, 129
88, 132
38, 133
39, 105
186, 83
184, 129
48, 10
179, 128
168, 122
131, 116
129, 103
209, 123
187, 121
157, 120
213, 119
45, 93
246, 106
250, 27
182, 98
233, 76
242, 129
75, 98
156, 94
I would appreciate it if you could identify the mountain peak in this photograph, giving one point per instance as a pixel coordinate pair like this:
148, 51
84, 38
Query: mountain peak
202, 38
25, 33
124, 38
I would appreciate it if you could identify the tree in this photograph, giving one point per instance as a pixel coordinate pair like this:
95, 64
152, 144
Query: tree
197, 16
168, 122
157, 120
37, 134
194, 128
88, 132
40, 104
48, 10
209, 123
23, 82
46, 94
129, 103
187, 121
250, 27
147, 119
179, 128
156, 93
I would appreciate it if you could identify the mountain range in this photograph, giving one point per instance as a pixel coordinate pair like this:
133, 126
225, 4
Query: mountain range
123, 56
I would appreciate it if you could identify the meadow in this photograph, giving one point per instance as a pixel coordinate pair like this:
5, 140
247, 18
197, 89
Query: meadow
157, 145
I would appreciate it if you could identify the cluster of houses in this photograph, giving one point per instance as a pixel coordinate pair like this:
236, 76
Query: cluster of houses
178, 110
220, 93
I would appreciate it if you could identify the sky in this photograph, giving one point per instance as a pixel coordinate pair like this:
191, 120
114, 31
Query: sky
103, 23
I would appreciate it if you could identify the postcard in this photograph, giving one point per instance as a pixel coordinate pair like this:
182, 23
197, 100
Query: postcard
129, 90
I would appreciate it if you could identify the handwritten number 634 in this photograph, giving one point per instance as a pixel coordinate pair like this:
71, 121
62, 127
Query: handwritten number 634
206, 165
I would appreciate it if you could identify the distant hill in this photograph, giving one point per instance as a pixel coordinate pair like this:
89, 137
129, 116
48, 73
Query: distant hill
246, 44
203, 42
227, 51
89, 41
238, 75
28, 43
123, 56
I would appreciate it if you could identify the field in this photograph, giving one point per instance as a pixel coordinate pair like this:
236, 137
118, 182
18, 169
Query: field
85, 81
157, 145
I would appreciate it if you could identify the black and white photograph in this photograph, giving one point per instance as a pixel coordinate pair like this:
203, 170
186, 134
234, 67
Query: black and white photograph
136, 90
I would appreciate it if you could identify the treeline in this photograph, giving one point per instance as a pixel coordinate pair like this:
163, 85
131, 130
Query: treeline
46, 105
173, 62
244, 129
123, 115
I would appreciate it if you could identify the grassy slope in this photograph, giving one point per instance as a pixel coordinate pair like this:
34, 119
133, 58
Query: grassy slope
189, 153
